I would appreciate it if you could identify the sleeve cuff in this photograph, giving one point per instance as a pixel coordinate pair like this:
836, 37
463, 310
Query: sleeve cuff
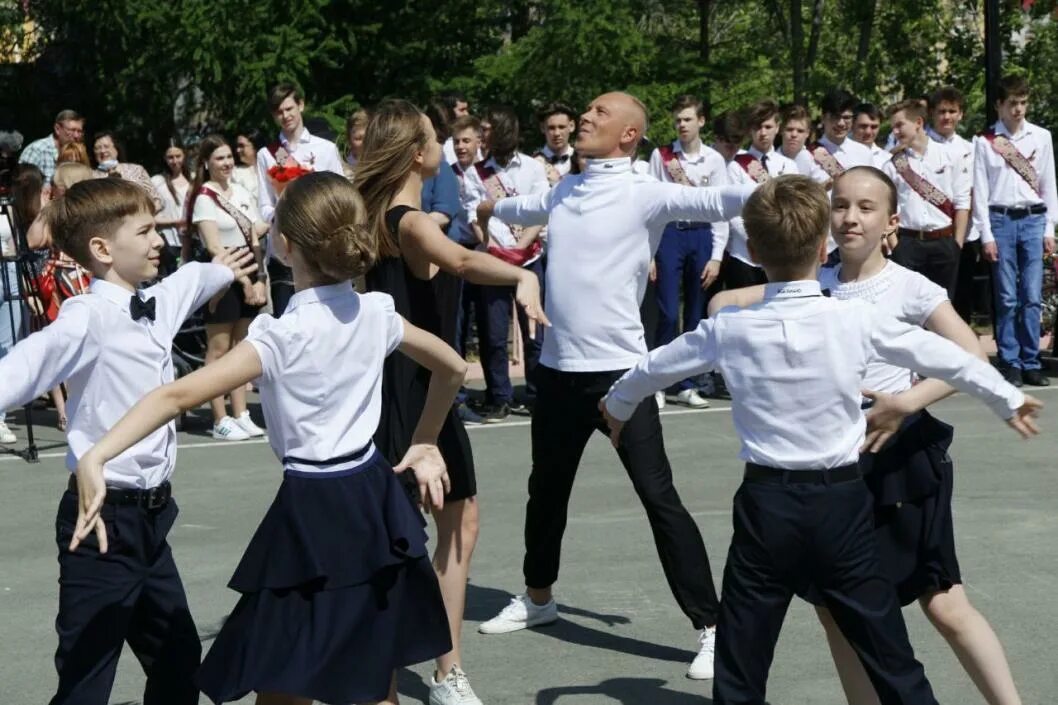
620, 409
1006, 408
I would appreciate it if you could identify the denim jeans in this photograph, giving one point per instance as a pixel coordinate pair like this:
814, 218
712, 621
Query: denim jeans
10, 315
682, 255
1018, 281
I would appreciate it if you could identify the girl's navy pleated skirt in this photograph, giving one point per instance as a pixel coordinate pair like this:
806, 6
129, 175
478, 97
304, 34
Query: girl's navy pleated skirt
912, 482
337, 592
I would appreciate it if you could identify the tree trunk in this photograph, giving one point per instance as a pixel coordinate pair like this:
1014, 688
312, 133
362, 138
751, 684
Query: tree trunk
817, 29
797, 38
863, 48
705, 7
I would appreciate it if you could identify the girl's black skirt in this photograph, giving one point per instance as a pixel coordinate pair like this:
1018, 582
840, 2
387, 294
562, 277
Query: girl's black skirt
912, 481
337, 591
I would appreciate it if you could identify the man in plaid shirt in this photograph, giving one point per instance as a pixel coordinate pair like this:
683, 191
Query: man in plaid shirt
43, 153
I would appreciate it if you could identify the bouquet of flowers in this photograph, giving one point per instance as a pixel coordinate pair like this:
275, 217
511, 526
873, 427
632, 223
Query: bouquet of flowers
285, 171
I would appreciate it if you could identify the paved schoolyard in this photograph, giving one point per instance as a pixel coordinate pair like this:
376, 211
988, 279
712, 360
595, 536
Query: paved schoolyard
621, 638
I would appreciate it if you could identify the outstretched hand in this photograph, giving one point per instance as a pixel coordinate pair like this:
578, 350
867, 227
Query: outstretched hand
1024, 419
430, 472
612, 423
239, 260
91, 491
527, 294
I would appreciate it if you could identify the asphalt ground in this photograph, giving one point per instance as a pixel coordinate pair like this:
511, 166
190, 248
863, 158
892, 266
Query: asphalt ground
621, 638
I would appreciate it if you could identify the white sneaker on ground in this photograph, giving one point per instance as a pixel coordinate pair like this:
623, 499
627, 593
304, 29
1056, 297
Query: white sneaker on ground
691, 398
659, 397
228, 429
702, 666
521, 613
248, 426
7, 437
454, 689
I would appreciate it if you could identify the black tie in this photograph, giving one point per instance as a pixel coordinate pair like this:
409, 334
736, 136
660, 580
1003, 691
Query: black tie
559, 158
140, 308
764, 161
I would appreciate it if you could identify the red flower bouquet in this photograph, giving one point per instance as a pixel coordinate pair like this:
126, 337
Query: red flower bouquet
283, 174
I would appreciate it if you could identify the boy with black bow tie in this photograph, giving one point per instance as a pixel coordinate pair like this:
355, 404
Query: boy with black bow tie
111, 346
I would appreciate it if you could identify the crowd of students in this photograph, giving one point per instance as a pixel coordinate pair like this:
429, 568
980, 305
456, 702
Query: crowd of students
440, 217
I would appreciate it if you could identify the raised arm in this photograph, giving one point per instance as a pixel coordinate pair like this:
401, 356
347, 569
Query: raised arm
929, 354
165, 403
667, 202
423, 241
46, 358
690, 354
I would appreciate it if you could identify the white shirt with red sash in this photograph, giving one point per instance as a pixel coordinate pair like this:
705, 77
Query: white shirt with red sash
706, 168
962, 151
523, 176
995, 182
938, 166
777, 164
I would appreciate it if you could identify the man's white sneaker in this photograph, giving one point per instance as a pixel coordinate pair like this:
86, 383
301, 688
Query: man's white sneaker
248, 426
659, 397
691, 398
702, 665
454, 689
6, 435
227, 429
521, 613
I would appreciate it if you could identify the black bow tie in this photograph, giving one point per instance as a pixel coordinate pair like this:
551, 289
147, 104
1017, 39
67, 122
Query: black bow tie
140, 308
559, 158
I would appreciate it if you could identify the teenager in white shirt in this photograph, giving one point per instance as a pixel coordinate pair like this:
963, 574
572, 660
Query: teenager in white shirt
934, 189
557, 122
689, 256
753, 167
605, 224
1015, 209
795, 131
336, 588
946, 106
111, 346
224, 217
795, 364
835, 151
866, 120
295, 147
506, 172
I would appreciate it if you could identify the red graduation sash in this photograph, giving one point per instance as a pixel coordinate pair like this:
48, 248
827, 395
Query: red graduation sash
920, 185
753, 167
674, 168
1017, 161
497, 190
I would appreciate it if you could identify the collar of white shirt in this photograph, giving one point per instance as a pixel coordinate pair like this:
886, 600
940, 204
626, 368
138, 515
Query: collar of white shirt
620, 165
1001, 129
833, 146
758, 154
118, 295
305, 137
550, 153
792, 290
677, 147
319, 294
515, 161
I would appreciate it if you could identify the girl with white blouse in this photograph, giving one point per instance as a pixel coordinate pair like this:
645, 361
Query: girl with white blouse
225, 217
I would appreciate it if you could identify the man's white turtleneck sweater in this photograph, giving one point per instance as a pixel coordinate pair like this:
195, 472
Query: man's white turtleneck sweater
603, 228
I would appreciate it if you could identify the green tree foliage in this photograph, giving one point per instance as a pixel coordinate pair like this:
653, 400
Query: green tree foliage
152, 69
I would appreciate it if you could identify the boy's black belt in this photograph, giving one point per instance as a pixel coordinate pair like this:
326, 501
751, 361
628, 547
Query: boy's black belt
1018, 213
763, 473
154, 498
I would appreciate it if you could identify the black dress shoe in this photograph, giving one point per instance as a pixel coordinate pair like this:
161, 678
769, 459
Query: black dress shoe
1012, 375
1036, 378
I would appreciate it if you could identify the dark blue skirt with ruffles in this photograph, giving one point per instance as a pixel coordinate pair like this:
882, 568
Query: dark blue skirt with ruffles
337, 592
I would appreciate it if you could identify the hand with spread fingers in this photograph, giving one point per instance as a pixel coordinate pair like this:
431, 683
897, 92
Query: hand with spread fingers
240, 260
527, 294
91, 491
430, 472
884, 419
1024, 419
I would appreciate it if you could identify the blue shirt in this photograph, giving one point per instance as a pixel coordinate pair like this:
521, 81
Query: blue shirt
440, 194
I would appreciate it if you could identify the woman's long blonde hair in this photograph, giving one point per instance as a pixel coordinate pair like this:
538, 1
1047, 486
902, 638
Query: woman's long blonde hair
394, 136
